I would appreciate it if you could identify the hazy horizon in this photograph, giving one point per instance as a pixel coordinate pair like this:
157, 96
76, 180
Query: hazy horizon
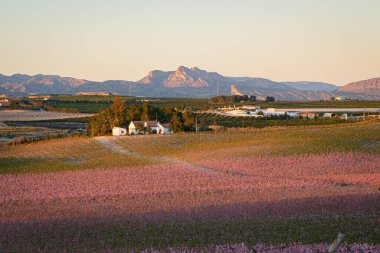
325, 41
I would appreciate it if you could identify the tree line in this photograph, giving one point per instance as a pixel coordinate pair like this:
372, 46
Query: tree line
231, 99
120, 115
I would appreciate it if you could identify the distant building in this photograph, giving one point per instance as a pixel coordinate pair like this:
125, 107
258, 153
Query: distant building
293, 114
248, 107
238, 112
119, 131
346, 116
308, 115
91, 93
4, 102
40, 97
272, 112
328, 115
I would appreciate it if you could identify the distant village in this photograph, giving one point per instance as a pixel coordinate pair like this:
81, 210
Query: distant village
257, 112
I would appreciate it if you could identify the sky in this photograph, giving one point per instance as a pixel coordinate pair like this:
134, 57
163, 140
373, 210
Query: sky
334, 41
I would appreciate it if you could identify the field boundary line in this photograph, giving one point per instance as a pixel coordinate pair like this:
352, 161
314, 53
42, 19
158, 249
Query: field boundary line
107, 142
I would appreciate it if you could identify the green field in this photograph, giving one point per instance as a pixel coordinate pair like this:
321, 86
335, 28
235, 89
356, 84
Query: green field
233, 121
93, 104
76, 153
63, 154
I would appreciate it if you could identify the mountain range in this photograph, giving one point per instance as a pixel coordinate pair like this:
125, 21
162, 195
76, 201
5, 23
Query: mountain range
189, 82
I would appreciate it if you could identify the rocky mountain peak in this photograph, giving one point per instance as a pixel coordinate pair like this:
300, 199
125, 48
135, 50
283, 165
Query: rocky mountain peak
370, 86
189, 77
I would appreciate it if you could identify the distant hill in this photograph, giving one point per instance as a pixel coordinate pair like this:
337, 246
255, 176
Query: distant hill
39, 84
187, 82
368, 87
312, 86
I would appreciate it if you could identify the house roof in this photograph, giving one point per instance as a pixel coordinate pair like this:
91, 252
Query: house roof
148, 123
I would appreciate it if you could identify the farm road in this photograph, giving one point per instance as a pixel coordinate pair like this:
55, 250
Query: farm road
107, 142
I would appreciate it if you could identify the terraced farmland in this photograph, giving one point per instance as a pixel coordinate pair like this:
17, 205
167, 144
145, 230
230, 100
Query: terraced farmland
270, 190
29, 115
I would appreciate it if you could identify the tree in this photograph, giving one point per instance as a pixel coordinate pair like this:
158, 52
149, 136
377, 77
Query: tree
100, 124
133, 113
176, 123
202, 124
166, 114
118, 113
146, 110
269, 99
105, 120
231, 99
188, 121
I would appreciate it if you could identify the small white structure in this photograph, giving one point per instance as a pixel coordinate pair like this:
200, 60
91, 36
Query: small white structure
238, 112
248, 107
293, 114
328, 115
118, 131
272, 112
346, 116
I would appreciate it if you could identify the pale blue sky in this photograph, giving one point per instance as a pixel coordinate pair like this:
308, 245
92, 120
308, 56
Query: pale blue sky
335, 41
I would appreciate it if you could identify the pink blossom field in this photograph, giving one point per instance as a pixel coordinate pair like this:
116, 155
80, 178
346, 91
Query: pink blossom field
329, 192
242, 248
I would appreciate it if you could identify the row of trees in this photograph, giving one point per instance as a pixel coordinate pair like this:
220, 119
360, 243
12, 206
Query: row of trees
231, 99
119, 115
236, 99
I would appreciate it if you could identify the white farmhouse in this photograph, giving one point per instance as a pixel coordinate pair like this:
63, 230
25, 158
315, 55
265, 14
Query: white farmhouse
138, 127
163, 128
118, 131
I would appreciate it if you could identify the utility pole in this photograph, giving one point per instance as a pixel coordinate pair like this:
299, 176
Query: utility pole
217, 89
196, 124
130, 90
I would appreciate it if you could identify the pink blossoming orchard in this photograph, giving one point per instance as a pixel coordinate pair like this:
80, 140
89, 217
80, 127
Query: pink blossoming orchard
270, 190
